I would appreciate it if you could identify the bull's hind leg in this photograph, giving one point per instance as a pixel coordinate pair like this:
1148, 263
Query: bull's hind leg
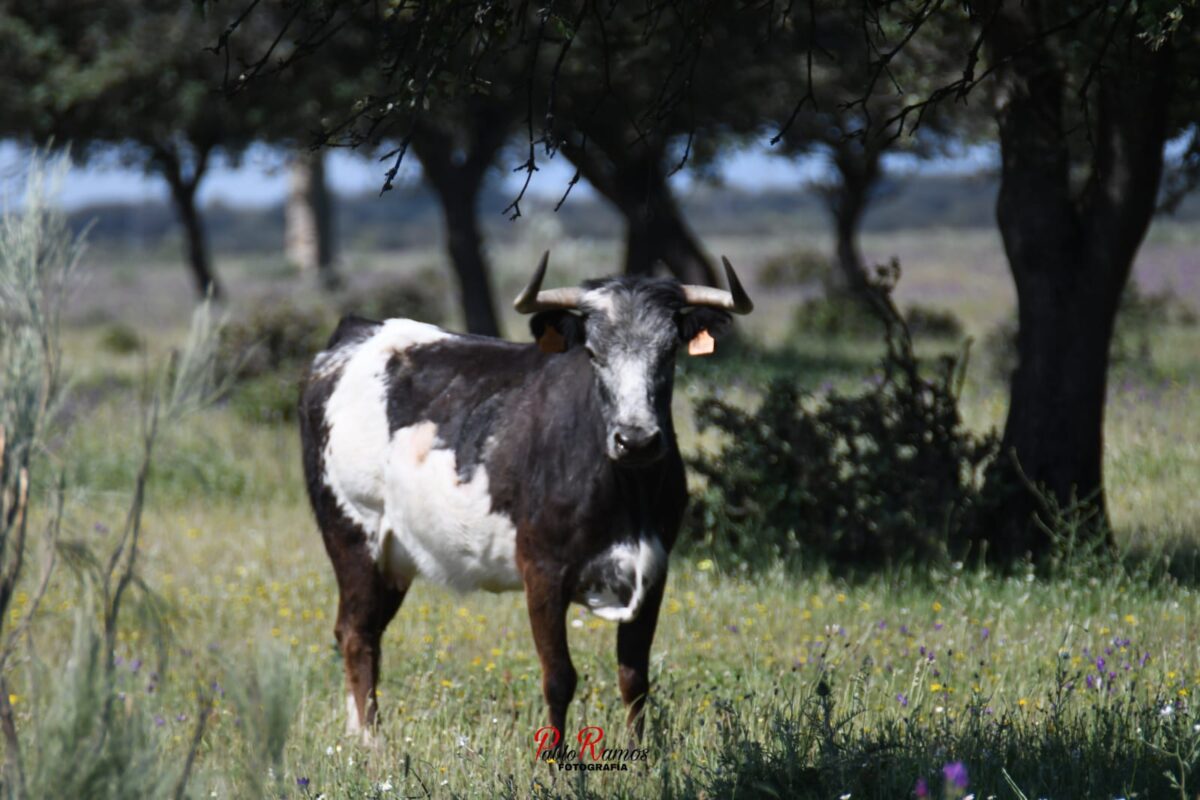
367, 602
633, 658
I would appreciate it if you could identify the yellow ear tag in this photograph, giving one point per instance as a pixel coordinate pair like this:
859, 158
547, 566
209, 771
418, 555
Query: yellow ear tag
551, 341
702, 344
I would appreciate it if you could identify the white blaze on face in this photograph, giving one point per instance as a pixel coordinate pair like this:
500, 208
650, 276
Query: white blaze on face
630, 381
627, 341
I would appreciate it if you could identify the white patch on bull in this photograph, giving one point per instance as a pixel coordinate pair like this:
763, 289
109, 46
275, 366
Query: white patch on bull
330, 362
598, 300
353, 723
356, 452
634, 566
441, 526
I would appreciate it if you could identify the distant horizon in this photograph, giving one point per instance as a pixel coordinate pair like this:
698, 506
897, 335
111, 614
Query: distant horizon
259, 179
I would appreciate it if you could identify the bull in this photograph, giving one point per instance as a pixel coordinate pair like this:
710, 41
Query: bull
477, 463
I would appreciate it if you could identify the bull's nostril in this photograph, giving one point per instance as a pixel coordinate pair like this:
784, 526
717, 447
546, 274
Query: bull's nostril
620, 440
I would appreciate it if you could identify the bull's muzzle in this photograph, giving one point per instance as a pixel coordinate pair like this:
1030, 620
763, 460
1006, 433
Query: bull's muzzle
633, 447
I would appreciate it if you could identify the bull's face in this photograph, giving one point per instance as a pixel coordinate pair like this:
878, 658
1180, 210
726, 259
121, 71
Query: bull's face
631, 329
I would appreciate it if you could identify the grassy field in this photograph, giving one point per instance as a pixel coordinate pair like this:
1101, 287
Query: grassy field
767, 684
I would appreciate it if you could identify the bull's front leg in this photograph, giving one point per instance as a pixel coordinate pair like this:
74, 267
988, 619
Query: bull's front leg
633, 658
548, 600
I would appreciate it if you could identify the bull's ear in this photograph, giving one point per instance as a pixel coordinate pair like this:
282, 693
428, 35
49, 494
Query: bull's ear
557, 331
700, 327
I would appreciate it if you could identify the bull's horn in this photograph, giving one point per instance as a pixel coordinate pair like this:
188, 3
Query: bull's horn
735, 300
533, 299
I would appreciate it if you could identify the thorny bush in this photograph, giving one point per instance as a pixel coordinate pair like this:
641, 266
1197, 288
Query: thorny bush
872, 478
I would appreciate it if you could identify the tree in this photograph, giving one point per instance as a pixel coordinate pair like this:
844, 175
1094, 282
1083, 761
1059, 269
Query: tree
308, 217
457, 148
625, 133
130, 77
855, 131
1088, 94
1084, 115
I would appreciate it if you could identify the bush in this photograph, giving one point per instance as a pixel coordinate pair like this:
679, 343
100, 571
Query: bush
795, 269
836, 316
121, 339
874, 478
933, 323
421, 298
273, 338
844, 315
263, 356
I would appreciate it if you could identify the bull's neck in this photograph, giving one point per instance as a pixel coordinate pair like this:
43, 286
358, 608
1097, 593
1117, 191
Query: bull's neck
636, 491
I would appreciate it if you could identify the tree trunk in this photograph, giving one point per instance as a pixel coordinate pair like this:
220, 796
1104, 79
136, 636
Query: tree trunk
847, 201
457, 177
308, 219
1070, 257
460, 205
655, 228
183, 195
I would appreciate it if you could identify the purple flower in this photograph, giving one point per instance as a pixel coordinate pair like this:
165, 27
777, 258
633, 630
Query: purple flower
902, 700
100, 527
731, 628
302, 783
1089, 681
937, 626
1099, 665
1145, 657
956, 773
181, 717
984, 634
921, 789
159, 722
882, 625
135, 665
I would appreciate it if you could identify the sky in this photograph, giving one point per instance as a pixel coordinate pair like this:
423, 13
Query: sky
260, 179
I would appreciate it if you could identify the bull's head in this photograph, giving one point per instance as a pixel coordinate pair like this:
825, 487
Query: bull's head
631, 329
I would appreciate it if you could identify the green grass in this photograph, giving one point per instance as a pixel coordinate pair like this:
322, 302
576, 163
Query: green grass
770, 684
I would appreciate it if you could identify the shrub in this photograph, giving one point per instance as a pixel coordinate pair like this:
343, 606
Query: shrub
872, 478
844, 315
273, 338
121, 339
836, 316
933, 323
798, 268
80, 738
421, 298
264, 354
